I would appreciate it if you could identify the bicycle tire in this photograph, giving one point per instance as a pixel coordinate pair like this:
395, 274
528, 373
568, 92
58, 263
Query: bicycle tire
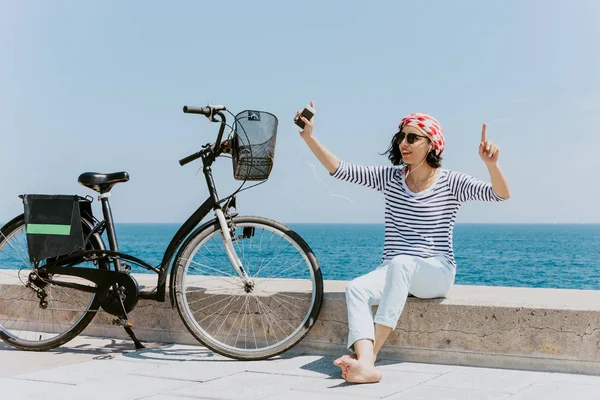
11, 231
205, 289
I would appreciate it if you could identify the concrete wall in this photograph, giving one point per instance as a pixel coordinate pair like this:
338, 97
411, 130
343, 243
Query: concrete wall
537, 329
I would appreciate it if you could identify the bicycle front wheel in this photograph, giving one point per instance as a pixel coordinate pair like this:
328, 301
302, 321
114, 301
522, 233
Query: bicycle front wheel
248, 322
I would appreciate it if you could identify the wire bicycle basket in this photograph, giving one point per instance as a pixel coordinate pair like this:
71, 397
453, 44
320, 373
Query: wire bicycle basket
253, 154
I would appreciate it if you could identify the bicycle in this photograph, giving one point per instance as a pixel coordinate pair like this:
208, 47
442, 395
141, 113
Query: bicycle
228, 275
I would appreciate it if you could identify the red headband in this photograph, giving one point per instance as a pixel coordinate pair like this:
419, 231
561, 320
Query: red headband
430, 126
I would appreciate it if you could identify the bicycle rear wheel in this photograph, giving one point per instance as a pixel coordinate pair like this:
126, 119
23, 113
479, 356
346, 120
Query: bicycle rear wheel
241, 322
34, 314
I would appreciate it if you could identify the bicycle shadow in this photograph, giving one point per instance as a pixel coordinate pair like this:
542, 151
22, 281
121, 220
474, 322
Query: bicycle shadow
301, 364
113, 346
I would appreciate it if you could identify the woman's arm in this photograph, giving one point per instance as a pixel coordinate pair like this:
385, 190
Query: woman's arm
329, 160
374, 177
489, 153
499, 182
467, 188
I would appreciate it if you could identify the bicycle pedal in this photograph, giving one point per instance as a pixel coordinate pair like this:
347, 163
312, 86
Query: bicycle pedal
126, 268
123, 323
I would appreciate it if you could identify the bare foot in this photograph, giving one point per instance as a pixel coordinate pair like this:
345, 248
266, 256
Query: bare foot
358, 372
343, 365
339, 363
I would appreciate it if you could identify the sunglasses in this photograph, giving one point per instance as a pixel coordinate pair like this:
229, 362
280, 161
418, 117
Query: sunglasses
410, 138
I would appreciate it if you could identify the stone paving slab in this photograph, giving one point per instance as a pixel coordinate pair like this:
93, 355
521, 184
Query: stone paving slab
80, 349
92, 368
245, 385
471, 378
96, 370
558, 391
18, 389
389, 365
392, 382
425, 392
301, 395
119, 387
173, 397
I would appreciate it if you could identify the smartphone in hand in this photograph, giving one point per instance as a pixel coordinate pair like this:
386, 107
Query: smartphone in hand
307, 113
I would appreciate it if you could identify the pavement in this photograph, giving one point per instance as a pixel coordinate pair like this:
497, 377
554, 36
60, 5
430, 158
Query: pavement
107, 369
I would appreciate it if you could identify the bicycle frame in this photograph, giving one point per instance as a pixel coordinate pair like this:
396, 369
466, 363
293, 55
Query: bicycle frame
208, 155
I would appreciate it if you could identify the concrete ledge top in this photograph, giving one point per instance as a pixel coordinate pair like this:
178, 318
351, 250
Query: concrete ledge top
502, 296
460, 295
488, 296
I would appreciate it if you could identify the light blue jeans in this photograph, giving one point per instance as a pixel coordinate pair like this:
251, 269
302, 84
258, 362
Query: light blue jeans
388, 286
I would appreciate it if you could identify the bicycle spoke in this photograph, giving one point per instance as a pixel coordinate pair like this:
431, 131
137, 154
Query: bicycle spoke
223, 251
285, 270
273, 259
209, 268
261, 320
268, 247
287, 302
204, 299
283, 305
275, 319
240, 249
210, 305
243, 318
261, 306
16, 251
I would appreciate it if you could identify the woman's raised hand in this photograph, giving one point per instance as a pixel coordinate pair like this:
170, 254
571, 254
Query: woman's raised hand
488, 151
308, 125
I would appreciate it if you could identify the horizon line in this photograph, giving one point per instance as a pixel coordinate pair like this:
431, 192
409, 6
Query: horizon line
382, 223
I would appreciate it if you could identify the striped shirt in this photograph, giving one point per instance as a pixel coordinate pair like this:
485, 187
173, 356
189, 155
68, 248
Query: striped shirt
418, 224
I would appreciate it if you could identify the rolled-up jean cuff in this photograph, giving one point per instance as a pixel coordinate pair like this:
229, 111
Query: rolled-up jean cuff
386, 322
353, 336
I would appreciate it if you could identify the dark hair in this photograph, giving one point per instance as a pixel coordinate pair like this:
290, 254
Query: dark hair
395, 156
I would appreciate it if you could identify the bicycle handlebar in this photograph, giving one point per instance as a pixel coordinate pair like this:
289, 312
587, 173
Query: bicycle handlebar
190, 158
210, 112
197, 110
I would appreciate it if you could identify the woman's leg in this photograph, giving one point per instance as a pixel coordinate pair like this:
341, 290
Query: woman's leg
423, 277
381, 334
367, 350
361, 294
426, 278
398, 275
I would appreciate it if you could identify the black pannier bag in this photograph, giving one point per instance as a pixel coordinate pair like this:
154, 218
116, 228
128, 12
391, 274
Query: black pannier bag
53, 224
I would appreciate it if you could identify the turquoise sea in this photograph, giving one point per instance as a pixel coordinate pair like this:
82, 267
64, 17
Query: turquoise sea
526, 255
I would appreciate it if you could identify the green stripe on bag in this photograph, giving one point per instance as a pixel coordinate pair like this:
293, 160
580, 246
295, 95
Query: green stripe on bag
48, 229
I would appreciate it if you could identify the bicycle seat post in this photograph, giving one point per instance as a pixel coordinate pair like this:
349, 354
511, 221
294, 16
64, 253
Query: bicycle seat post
110, 227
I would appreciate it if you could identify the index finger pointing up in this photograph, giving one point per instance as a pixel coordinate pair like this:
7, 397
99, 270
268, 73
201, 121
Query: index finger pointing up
483, 129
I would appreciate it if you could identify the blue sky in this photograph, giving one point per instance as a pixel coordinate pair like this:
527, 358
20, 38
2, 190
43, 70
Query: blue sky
99, 86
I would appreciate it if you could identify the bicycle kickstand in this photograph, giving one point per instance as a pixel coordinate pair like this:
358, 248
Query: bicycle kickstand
125, 323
